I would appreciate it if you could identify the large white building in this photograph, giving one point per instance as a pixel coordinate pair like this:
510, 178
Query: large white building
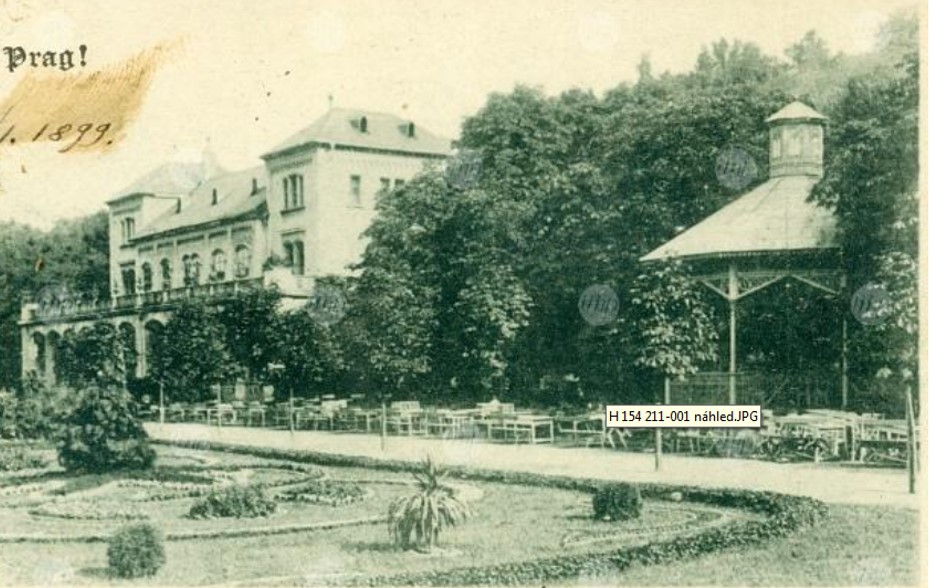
191, 229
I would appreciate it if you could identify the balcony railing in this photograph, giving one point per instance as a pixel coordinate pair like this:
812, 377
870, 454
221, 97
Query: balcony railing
78, 305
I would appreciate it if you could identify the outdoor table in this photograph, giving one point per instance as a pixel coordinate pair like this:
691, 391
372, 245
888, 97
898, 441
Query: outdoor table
449, 422
589, 426
199, 413
517, 425
354, 416
404, 419
220, 413
253, 411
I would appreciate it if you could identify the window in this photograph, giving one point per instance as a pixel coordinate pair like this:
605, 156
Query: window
355, 192
295, 256
384, 185
241, 261
776, 144
293, 192
218, 266
127, 228
128, 275
147, 277
793, 142
192, 266
166, 268
399, 183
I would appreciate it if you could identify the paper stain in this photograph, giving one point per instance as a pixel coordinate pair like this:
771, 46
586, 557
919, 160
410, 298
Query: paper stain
79, 111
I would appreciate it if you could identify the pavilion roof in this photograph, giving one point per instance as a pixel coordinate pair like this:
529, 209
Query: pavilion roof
774, 217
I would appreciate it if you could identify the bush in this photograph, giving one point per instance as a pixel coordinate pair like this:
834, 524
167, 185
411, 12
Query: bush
137, 551
103, 434
617, 502
234, 501
19, 458
331, 492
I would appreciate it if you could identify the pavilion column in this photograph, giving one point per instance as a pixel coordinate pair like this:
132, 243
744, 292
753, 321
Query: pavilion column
732, 291
844, 382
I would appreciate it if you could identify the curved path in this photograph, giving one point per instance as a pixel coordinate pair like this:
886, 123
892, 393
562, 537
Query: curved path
835, 483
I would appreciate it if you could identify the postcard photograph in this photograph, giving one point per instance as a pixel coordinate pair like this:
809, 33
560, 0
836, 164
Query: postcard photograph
463, 293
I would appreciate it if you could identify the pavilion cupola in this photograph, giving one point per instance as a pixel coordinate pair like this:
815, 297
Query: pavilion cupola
796, 141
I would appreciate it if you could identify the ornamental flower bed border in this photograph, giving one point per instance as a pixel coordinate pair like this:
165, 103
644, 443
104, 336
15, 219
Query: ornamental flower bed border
784, 515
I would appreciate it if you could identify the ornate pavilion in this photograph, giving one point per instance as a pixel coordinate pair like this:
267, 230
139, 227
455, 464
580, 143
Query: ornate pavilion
771, 234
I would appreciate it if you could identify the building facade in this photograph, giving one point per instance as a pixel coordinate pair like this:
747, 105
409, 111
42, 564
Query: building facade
193, 230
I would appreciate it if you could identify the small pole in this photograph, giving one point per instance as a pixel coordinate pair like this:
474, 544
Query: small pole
658, 430
291, 410
383, 425
911, 453
217, 410
162, 403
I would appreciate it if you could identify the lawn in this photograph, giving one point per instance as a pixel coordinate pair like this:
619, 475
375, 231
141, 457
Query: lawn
855, 546
511, 524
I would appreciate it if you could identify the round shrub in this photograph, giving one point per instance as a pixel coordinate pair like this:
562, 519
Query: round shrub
234, 501
135, 552
617, 502
103, 434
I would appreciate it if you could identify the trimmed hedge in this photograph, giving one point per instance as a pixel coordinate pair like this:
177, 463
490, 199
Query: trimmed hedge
136, 552
617, 502
784, 515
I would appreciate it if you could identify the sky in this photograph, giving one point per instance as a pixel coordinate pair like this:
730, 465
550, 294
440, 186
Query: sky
242, 76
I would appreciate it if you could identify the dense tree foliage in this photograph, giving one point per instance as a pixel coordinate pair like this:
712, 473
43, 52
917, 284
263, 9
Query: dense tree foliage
72, 257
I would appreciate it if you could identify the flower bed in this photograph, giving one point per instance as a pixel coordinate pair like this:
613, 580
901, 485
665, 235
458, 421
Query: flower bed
329, 492
783, 514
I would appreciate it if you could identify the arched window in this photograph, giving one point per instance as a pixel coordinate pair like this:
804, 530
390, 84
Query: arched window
242, 261
165, 267
39, 340
218, 266
196, 269
147, 277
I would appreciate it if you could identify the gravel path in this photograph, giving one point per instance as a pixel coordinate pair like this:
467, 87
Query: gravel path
834, 483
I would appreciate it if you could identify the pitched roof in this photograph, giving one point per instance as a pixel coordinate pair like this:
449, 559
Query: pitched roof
235, 199
773, 217
174, 178
342, 126
796, 111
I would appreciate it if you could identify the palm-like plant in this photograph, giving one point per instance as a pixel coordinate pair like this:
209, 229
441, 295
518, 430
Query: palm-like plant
415, 521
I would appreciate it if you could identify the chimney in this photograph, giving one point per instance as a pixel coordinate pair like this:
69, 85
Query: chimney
214, 196
363, 124
411, 130
255, 188
796, 141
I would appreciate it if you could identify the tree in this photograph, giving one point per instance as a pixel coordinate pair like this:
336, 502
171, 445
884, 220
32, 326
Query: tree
103, 434
192, 354
871, 183
311, 354
673, 324
253, 330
